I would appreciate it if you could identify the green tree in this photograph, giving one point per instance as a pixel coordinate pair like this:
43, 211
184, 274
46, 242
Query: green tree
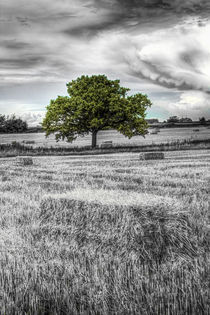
95, 103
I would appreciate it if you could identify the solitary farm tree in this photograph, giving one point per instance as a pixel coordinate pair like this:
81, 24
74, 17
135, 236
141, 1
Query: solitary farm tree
95, 103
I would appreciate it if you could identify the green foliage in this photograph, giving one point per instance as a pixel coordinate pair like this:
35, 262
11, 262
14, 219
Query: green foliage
95, 103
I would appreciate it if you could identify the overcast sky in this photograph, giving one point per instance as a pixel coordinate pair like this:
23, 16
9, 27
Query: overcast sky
157, 47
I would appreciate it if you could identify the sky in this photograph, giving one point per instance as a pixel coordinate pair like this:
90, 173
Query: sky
156, 47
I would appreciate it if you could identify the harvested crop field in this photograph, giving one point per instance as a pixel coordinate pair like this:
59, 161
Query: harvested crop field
165, 135
108, 234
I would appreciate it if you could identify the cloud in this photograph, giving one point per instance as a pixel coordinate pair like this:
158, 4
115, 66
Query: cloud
150, 45
68, 39
193, 104
33, 118
135, 6
152, 10
26, 111
175, 58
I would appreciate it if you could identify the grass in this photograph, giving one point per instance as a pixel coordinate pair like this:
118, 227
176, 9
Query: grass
168, 139
106, 234
165, 136
18, 149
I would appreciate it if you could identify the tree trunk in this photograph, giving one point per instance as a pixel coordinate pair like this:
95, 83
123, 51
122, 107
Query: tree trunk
94, 138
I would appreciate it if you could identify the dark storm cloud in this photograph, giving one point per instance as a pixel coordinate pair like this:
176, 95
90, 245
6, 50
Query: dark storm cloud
14, 45
131, 14
135, 6
151, 8
91, 28
23, 20
23, 62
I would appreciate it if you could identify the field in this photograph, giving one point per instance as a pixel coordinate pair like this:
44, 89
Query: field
164, 136
106, 234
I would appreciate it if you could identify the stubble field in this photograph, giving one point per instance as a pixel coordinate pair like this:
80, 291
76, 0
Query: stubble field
166, 135
106, 235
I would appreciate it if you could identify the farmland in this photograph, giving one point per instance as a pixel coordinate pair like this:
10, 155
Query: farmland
106, 234
165, 135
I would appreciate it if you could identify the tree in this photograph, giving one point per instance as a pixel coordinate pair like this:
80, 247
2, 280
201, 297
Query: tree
202, 120
2, 123
95, 103
173, 119
12, 124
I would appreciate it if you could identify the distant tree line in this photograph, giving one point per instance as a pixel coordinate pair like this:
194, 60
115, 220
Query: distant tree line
176, 119
12, 124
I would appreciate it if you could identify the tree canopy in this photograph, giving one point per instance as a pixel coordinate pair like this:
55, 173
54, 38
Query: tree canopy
12, 124
173, 119
95, 103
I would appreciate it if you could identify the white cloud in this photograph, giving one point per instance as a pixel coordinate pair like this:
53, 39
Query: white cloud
33, 118
193, 104
56, 41
178, 57
25, 111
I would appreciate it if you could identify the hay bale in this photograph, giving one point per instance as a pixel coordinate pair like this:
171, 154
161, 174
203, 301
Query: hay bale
152, 156
106, 144
24, 160
154, 132
30, 142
